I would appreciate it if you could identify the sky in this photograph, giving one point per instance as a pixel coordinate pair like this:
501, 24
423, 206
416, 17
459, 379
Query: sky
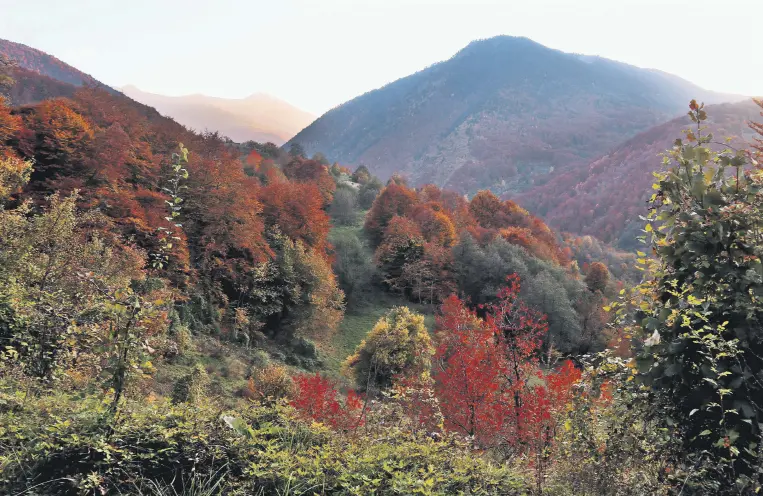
319, 54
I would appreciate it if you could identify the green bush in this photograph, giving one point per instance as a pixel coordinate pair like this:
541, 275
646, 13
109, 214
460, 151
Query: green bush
192, 387
260, 359
62, 445
398, 344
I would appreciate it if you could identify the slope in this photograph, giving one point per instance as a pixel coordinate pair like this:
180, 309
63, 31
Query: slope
606, 196
500, 113
258, 117
47, 65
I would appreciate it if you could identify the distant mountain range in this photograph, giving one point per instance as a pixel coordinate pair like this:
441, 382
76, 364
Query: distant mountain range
504, 113
258, 117
573, 138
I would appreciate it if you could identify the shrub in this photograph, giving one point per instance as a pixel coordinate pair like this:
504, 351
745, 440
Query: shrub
183, 339
234, 369
258, 450
272, 383
304, 347
398, 345
260, 359
192, 387
317, 398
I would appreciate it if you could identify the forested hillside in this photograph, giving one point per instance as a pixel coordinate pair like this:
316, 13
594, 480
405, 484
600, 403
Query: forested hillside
43, 64
605, 197
182, 314
530, 113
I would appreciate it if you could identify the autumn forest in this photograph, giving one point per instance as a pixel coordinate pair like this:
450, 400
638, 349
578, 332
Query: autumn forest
485, 310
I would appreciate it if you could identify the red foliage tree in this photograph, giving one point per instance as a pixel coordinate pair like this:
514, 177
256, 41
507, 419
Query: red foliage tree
429, 278
469, 370
488, 378
457, 208
318, 399
313, 172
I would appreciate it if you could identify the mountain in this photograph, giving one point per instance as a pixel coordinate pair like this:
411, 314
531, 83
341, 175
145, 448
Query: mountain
258, 117
43, 64
605, 196
500, 114
31, 87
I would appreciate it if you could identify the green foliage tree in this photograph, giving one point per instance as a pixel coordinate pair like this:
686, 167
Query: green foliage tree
297, 150
368, 192
352, 265
481, 271
6, 81
14, 173
295, 293
398, 345
344, 207
320, 158
56, 275
702, 307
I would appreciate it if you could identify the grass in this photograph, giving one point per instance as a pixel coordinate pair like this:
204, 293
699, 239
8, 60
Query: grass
358, 322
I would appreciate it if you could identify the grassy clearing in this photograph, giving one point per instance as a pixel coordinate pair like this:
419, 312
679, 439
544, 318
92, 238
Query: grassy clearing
358, 322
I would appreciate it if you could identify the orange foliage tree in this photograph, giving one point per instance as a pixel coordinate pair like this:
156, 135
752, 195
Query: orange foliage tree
435, 225
297, 209
313, 172
394, 200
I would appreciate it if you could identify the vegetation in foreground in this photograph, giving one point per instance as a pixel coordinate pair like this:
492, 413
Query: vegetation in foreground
163, 315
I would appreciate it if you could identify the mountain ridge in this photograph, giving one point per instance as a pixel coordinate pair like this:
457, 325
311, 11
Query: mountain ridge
258, 117
531, 109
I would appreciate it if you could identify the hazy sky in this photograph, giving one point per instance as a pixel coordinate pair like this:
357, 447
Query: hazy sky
318, 54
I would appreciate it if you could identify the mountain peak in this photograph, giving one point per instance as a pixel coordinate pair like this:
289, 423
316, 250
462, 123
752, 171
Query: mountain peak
501, 43
503, 113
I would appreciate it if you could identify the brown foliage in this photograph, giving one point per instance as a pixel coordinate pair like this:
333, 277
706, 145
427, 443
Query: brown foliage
297, 209
312, 172
393, 200
597, 277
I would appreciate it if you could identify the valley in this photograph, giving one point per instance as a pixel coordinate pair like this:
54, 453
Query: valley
518, 271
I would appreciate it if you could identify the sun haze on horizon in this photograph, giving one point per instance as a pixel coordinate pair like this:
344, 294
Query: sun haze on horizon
317, 55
